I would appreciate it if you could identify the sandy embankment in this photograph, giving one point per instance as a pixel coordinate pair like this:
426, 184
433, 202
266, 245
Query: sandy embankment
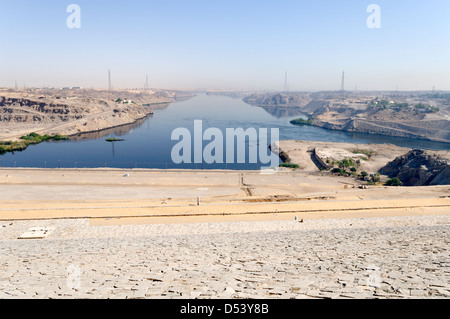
106, 196
300, 153
132, 237
372, 157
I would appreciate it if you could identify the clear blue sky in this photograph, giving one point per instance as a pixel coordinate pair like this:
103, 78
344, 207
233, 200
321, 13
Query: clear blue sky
240, 44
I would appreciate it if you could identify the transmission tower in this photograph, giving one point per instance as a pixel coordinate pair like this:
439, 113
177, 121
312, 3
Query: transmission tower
146, 82
286, 84
343, 83
109, 81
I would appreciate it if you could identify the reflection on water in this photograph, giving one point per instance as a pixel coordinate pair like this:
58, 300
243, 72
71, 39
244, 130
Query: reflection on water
148, 144
280, 112
118, 131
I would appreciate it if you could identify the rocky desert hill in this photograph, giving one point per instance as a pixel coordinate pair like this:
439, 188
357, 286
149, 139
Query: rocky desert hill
412, 167
280, 104
402, 122
69, 112
415, 115
420, 168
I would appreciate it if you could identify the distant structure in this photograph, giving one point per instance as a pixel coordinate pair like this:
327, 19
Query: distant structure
343, 83
109, 81
16, 85
286, 84
146, 87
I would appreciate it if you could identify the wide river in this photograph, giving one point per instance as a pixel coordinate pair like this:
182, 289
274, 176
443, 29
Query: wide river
148, 144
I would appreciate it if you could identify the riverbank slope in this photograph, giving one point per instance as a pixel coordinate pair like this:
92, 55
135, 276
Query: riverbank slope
74, 111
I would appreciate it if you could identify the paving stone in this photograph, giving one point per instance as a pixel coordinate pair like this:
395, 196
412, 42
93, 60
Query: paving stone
231, 260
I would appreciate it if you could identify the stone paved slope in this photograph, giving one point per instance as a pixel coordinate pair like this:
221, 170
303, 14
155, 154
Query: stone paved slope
397, 257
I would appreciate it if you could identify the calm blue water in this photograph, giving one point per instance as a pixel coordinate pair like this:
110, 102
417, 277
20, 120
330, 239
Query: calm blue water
149, 144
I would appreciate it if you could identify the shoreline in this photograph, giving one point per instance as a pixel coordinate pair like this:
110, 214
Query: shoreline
149, 115
326, 126
82, 111
401, 134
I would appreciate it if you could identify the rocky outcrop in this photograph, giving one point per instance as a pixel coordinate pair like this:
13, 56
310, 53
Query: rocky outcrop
438, 131
282, 104
276, 100
419, 168
443, 178
403, 122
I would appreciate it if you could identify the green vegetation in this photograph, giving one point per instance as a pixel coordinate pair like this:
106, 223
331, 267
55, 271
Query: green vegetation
284, 157
427, 108
385, 104
394, 182
371, 179
12, 147
30, 139
349, 167
339, 171
34, 138
342, 166
114, 140
301, 122
58, 137
346, 163
289, 165
126, 101
374, 179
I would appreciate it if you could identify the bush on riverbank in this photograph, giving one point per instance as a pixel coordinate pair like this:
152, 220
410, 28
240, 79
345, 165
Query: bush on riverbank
302, 122
34, 138
12, 147
114, 140
394, 182
27, 140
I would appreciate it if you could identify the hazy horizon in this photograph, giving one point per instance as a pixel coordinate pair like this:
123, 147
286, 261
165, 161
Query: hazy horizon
214, 90
231, 45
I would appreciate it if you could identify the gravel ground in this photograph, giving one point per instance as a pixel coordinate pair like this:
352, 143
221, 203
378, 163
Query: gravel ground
397, 257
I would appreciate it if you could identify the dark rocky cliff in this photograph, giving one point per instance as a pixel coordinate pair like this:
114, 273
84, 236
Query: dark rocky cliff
419, 168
